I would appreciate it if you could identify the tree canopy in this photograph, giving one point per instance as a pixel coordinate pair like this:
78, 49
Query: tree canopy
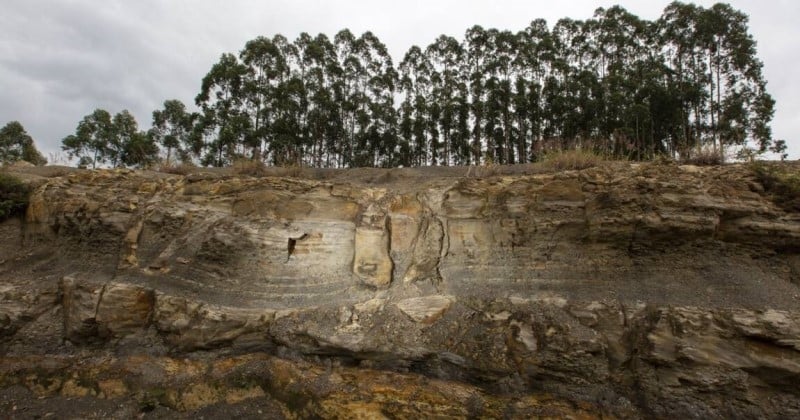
685, 83
100, 138
16, 144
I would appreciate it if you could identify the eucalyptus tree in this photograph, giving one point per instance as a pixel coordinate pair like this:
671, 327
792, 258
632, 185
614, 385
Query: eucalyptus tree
739, 102
124, 130
460, 140
171, 128
131, 146
657, 115
620, 45
309, 71
377, 114
476, 47
12, 135
721, 77
364, 92
140, 151
202, 130
328, 108
221, 98
318, 68
416, 72
615, 83
676, 29
288, 132
535, 59
446, 56
266, 68
92, 138
502, 54
779, 147
16, 144
560, 90
347, 92
405, 130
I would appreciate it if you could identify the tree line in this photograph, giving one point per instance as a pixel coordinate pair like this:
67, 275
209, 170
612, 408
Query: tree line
688, 82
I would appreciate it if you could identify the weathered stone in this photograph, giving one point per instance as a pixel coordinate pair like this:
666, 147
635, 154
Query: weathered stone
112, 388
79, 300
124, 309
426, 309
630, 290
426, 252
195, 325
372, 263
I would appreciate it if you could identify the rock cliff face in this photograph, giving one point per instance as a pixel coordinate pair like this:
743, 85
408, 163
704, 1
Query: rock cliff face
622, 290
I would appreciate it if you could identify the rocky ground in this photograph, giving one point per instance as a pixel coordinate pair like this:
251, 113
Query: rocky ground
622, 290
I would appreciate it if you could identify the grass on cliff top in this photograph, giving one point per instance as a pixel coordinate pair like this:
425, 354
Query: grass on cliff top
781, 182
13, 196
175, 168
704, 157
548, 162
572, 160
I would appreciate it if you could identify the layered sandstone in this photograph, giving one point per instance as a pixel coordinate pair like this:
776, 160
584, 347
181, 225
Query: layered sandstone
624, 290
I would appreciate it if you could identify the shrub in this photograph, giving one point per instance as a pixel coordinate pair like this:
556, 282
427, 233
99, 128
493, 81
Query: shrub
781, 183
252, 167
575, 159
176, 169
13, 196
292, 171
487, 169
704, 157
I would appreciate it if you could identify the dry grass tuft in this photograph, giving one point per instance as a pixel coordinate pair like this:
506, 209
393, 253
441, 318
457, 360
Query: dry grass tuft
704, 157
176, 168
570, 160
292, 171
251, 167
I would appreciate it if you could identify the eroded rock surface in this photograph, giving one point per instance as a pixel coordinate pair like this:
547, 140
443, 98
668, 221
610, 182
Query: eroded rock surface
622, 290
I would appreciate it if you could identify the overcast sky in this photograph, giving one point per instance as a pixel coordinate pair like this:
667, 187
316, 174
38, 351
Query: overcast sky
61, 59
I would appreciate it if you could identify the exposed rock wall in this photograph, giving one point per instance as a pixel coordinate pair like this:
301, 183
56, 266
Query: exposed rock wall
623, 290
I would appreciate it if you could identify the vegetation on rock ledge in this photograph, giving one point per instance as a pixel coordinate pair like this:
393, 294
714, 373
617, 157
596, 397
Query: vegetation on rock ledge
13, 196
17, 145
781, 182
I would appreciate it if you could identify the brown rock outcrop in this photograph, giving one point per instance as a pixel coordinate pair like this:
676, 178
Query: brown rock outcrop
622, 290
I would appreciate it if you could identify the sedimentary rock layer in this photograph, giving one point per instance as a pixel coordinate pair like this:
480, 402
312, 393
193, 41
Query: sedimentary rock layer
627, 290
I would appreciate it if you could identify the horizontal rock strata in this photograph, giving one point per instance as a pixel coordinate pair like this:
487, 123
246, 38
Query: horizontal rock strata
622, 290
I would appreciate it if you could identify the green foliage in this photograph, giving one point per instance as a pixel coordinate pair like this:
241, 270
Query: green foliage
101, 138
139, 151
92, 139
781, 181
172, 128
32, 155
13, 196
16, 144
779, 147
616, 84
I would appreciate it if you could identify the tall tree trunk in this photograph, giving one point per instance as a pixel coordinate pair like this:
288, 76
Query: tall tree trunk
711, 100
718, 108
